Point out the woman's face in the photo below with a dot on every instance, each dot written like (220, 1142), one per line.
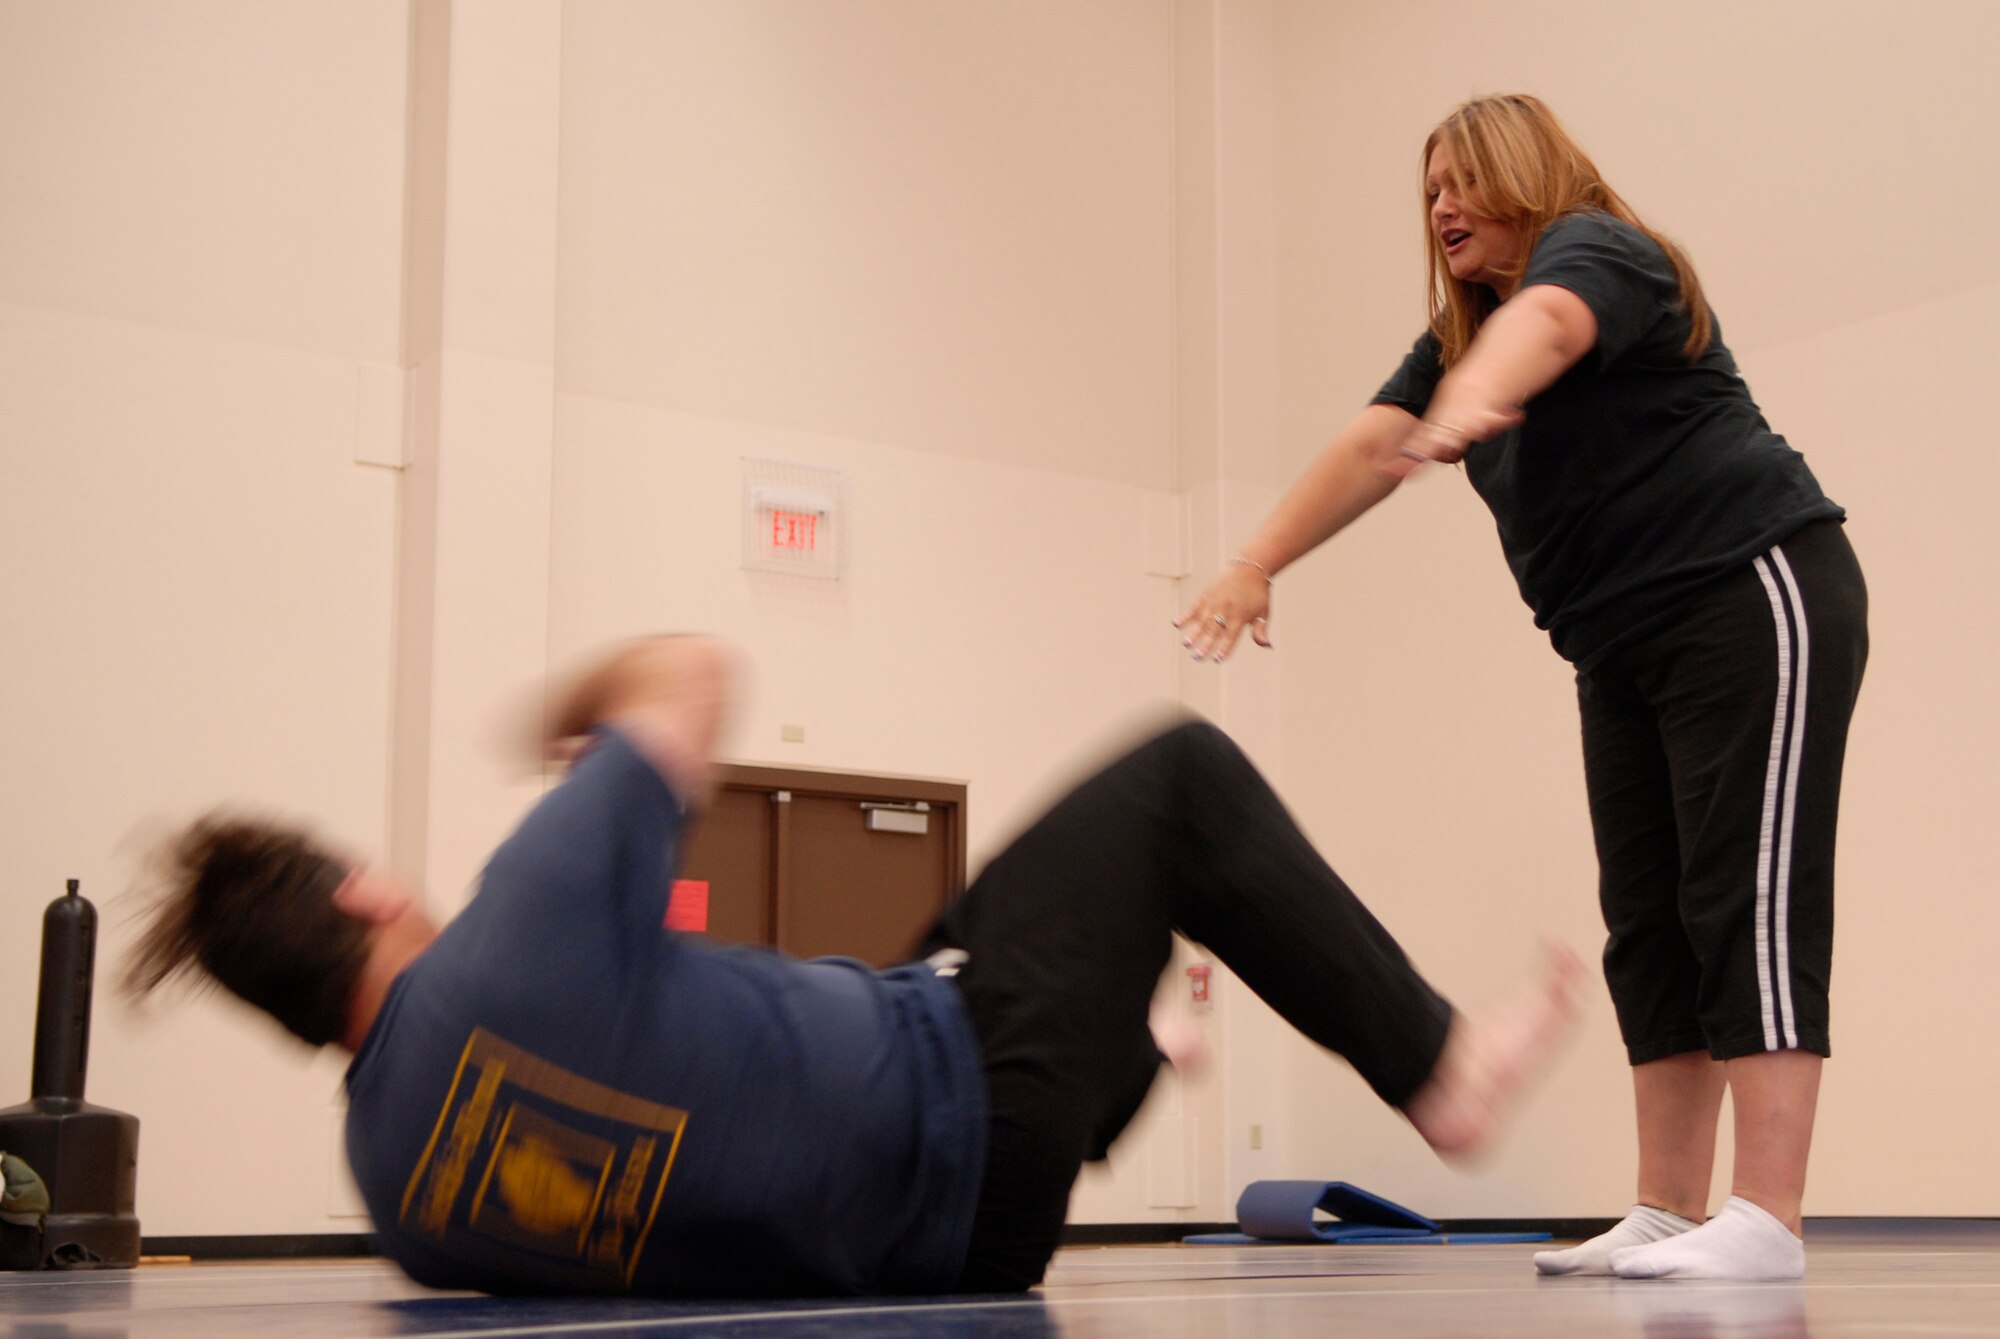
(1477, 249)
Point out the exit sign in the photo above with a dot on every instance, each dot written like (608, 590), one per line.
(794, 519)
(797, 531)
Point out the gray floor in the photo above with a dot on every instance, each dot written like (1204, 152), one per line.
(1899, 1280)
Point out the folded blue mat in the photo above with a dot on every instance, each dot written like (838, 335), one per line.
(1275, 1213)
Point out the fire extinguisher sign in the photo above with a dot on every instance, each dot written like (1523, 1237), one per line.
(1198, 996)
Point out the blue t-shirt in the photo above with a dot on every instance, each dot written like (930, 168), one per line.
(561, 1095)
(1637, 477)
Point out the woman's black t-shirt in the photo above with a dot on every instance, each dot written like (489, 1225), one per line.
(1637, 476)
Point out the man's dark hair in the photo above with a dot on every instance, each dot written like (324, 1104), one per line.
(249, 904)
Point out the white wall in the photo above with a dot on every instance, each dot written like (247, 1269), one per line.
(1035, 276)
(945, 227)
(199, 270)
(1896, 399)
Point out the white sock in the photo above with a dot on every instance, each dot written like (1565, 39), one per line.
(1742, 1243)
(1642, 1225)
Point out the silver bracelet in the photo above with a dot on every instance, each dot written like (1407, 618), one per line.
(1252, 562)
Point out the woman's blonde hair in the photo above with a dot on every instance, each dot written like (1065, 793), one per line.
(1521, 166)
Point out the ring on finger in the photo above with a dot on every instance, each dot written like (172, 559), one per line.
(1220, 620)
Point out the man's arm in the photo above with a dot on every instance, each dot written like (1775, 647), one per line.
(670, 696)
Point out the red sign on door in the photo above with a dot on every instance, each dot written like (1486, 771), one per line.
(687, 905)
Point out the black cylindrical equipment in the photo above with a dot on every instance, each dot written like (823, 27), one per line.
(62, 1014)
(87, 1156)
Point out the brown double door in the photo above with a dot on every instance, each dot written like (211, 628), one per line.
(819, 863)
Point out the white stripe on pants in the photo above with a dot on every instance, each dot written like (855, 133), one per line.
(1781, 788)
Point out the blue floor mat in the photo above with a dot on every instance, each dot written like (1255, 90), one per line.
(1273, 1213)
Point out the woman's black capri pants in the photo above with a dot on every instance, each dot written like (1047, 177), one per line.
(1712, 751)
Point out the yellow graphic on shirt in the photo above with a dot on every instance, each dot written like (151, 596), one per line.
(465, 1129)
(540, 1190)
(526, 1154)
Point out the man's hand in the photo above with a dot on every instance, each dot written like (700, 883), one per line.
(669, 695)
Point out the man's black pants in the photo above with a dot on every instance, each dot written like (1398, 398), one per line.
(1068, 930)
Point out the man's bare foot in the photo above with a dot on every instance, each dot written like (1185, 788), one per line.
(1180, 1039)
(1490, 1062)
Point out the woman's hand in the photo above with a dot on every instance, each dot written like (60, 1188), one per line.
(1448, 431)
(1237, 600)
(1536, 336)
(1353, 472)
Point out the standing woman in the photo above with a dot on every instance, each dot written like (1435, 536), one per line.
(1683, 557)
